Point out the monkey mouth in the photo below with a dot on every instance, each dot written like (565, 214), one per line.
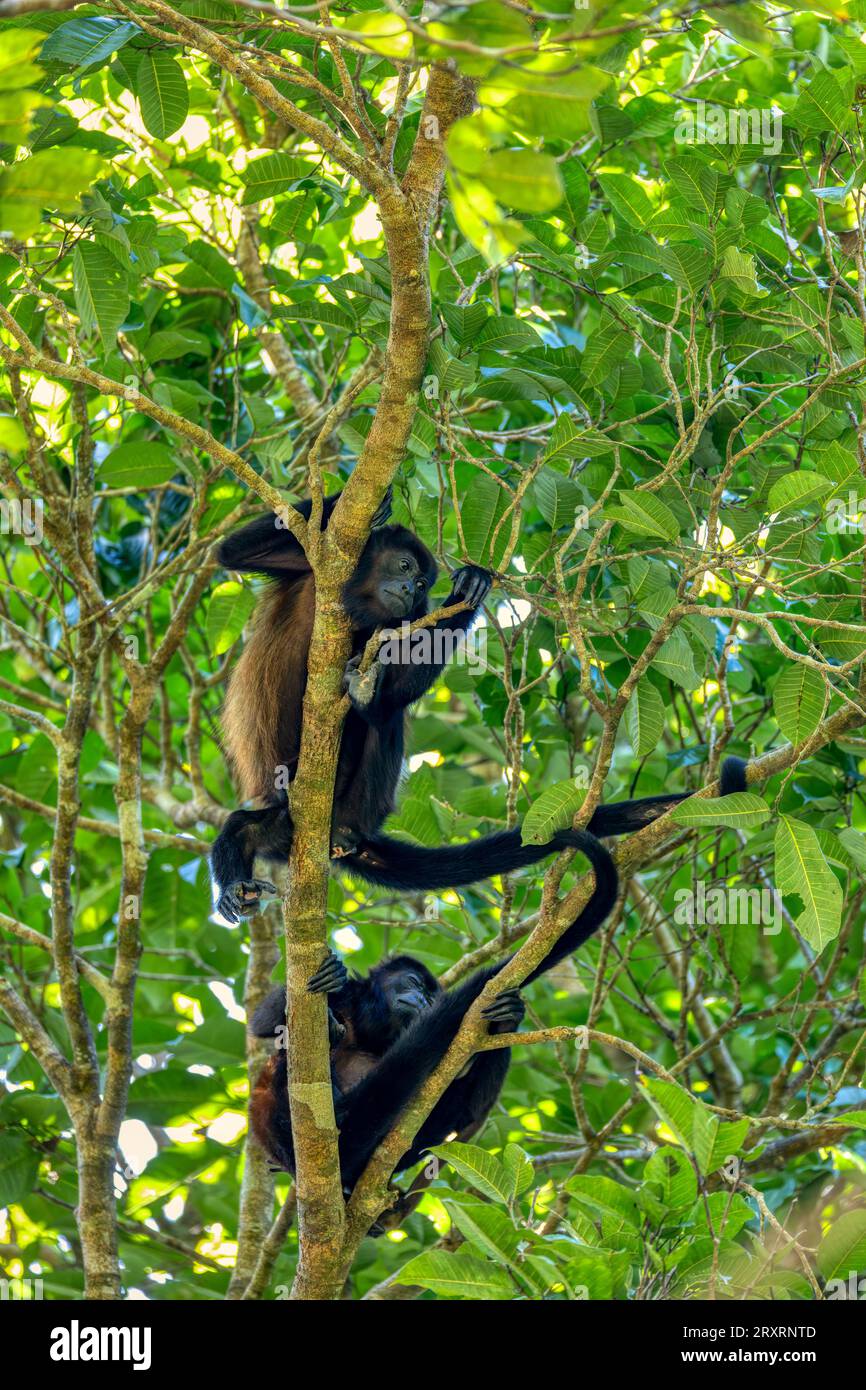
(396, 603)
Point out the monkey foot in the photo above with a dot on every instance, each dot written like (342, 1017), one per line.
(330, 976)
(344, 842)
(506, 1011)
(241, 899)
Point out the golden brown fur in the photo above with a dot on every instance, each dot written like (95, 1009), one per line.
(261, 717)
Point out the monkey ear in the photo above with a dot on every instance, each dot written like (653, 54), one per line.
(382, 514)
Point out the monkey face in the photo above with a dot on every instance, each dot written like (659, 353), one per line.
(406, 996)
(401, 588)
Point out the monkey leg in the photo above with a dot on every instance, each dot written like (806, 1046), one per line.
(267, 833)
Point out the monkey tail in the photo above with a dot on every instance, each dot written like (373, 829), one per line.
(623, 817)
(597, 909)
(390, 863)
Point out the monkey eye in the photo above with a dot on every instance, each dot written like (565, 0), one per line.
(420, 583)
(404, 565)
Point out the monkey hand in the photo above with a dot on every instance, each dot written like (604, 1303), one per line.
(331, 976)
(241, 899)
(336, 1030)
(471, 584)
(505, 1014)
(361, 688)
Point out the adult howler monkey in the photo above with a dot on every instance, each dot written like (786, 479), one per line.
(262, 721)
(389, 1031)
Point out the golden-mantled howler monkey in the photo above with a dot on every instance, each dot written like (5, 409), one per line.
(262, 720)
(389, 1031)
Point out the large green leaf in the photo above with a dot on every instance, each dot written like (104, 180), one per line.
(139, 463)
(101, 291)
(553, 810)
(457, 1276)
(644, 717)
(230, 606)
(842, 1251)
(271, 175)
(482, 1170)
(801, 869)
(798, 702)
(48, 181)
(87, 42)
(740, 810)
(162, 93)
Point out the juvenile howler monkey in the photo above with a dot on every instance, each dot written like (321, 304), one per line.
(389, 1031)
(262, 720)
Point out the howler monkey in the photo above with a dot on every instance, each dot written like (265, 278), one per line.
(262, 720)
(389, 1031)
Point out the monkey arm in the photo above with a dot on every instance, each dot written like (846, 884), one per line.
(407, 667)
(265, 546)
(367, 1112)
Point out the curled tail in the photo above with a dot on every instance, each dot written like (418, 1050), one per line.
(597, 909)
(392, 863)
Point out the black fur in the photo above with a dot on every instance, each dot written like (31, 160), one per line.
(400, 1054)
(371, 750)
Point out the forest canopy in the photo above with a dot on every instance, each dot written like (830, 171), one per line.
(585, 285)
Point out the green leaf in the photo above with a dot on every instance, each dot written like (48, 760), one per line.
(101, 291)
(557, 498)
(671, 1169)
(140, 463)
(464, 321)
(518, 1165)
(802, 869)
(456, 1276)
(170, 343)
(842, 1251)
(230, 606)
(738, 272)
(696, 181)
(576, 186)
(822, 105)
(798, 702)
(87, 42)
(645, 515)
(628, 200)
(645, 717)
(49, 180)
(17, 69)
(553, 810)
(19, 1165)
(716, 1140)
(483, 508)
(506, 333)
(604, 1196)
(522, 179)
(674, 1106)
(605, 349)
(740, 810)
(162, 94)
(481, 1169)
(489, 1229)
(674, 659)
(798, 489)
(271, 175)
